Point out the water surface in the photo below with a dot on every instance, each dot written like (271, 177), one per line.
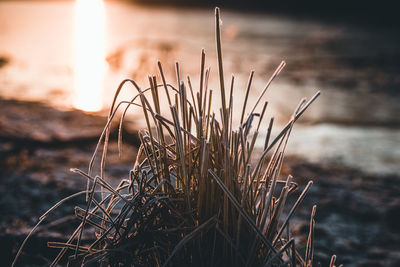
(355, 121)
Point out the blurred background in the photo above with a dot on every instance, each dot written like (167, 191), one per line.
(71, 55)
(75, 53)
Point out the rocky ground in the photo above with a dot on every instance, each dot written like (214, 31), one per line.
(357, 215)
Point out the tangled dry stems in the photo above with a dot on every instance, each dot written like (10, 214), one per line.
(195, 196)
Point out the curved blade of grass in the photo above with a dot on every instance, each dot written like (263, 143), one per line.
(41, 219)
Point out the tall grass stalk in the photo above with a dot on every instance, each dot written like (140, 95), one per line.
(197, 195)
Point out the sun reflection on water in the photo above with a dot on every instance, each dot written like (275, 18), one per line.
(89, 54)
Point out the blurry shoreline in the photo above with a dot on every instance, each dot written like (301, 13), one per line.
(354, 122)
(361, 13)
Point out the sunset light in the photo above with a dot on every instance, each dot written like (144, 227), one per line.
(89, 54)
(150, 133)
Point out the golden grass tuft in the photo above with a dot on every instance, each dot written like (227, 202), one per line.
(196, 196)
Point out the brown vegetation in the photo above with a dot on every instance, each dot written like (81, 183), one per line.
(196, 194)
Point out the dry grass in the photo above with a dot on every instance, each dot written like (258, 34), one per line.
(196, 196)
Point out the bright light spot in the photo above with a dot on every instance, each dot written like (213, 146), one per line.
(89, 54)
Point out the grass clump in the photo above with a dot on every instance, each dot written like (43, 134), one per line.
(196, 195)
